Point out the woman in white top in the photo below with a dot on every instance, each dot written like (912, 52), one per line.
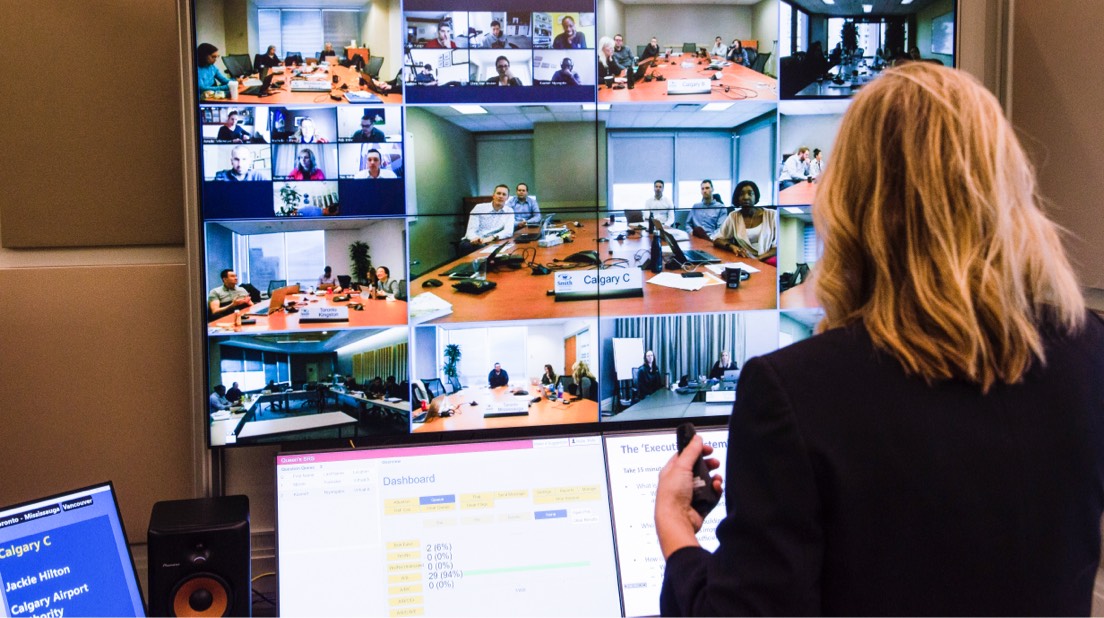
(749, 231)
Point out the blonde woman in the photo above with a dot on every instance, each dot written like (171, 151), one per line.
(939, 448)
(580, 371)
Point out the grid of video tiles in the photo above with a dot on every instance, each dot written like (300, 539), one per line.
(417, 251)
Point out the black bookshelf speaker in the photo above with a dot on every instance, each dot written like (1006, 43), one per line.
(199, 557)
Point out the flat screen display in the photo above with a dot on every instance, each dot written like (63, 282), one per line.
(67, 555)
(511, 220)
(475, 529)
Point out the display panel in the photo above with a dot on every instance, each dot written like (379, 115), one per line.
(634, 462)
(547, 174)
(67, 555)
(442, 530)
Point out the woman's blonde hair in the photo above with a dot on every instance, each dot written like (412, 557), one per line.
(933, 236)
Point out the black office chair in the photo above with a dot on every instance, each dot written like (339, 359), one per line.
(689, 48)
(344, 280)
(760, 62)
(374, 65)
(293, 58)
(254, 293)
(275, 284)
(454, 382)
(434, 387)
(237, 65)
(588, 389)
(566, 383)
(640, 50)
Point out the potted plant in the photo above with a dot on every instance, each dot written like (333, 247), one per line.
(850, 35)
(290, 197)
(452, 360)
(360, 261)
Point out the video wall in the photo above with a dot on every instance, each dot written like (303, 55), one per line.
(501, 220)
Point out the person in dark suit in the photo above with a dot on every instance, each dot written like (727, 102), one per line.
(939, 448)
(716, 372)
(648, 377)
(267, 60)
(498, 377)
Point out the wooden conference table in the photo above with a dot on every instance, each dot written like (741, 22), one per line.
(375, 313)
(468, 417)
(346, 76)
(761, 87)
(853, 75)
(798, 194)
(800, 296)
(666, 403)
(520, 295)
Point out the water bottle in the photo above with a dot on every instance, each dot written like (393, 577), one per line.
(559, 390)
(657, 255)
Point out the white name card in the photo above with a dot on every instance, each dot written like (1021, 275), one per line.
(324, 314)
(590, 284)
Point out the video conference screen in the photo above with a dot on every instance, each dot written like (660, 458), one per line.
(431, 220)
(67, 555)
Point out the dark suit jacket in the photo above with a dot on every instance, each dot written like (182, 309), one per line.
(854, 489)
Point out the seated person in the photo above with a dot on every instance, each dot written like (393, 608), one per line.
(267, 60)
(624, 56)
(306, 167)
(607, 64)
(388, 286)
(548, 378)
(585, 386)
(648, 377)
(241, 167)
(526, 210)
(233, 394)
(228, 297)
(566, 74)
(816, 165)
(570, 38)
(230, 131)
(659, 206)
(495, 39)
(706, 216)
(721, 366)
(391, 388)
(327, 52)
(306, 133)
(376, 388)
(749, 231)
(504, 77)
(426, 77)
(737, 53)
(719, 48)
(271, 387)
(651, 50)
(369, 132)
(379, 86)
(328, 280)
(444, 38)
(498, 377)
(489, 221)
(351, 384)
(210, 77)
(795, 169)
(372, 160)
(217, 401)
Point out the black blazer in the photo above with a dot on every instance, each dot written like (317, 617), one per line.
(853, 489)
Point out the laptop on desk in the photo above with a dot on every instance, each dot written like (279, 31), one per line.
(275, 302)
(689, 256)
(263, 89)
(524, 238)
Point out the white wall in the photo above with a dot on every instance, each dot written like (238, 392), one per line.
(611, 18)
(760, 334)
(813, 130)
(675, 24)
(504, 159)
(210, 27)
(764, 27)
(545, 345)
(924, 29)
(385, 242)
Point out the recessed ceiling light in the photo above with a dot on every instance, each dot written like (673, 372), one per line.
(716, 107)
(906, 1)
(599, 107)
(469, 109)
(829, 1)
(868, 8)
(793, 210)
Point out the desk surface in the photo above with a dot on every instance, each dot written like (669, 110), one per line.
(401, 406)
(256, 429)
(346, 76)
(765, 88)
(375, 313)
(800, 296)
(854, 76)
(545, 412)
(798, 194)
(520, 295)
(666, 403)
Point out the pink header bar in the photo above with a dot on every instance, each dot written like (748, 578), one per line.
(406, 451)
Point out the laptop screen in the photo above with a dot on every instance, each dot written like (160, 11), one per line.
(67, 555)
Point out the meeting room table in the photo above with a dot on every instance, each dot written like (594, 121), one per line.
(376, 312)
(736, 82)
(348, 79)
(798, 194)
(470, 404)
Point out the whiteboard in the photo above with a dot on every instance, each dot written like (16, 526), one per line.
(627, 354)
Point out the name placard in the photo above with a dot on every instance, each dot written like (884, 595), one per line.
(324, 314)
(592, 284)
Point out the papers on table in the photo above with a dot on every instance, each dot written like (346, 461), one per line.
(690, 284)
(428, 306)
(719, 268)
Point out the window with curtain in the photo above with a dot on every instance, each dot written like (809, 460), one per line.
(811, 244)
(801, 30)
(785, 30)
(306, 30)
(297, 257)
(252, 369)
(688, 345)
(682, 159)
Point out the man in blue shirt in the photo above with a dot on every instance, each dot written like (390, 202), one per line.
(706, 216)
(217, 401)
(524, 206)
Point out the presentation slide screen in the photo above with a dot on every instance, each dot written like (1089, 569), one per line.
(67, 555)
(634, 462)
(478, 529)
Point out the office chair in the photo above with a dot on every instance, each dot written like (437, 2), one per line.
(587, 389)
(434, 387)
(565, 382)
(254, 293)
(344, 280)
(237, 65)
(689, 48)
(374, 65)
(640, 50)
(275, 284)
(454, 382)
(760, 62)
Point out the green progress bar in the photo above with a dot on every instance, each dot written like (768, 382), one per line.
(535, 567)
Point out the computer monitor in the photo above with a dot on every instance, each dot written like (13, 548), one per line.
(632, 461)
(476, 529)
(67, 555)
